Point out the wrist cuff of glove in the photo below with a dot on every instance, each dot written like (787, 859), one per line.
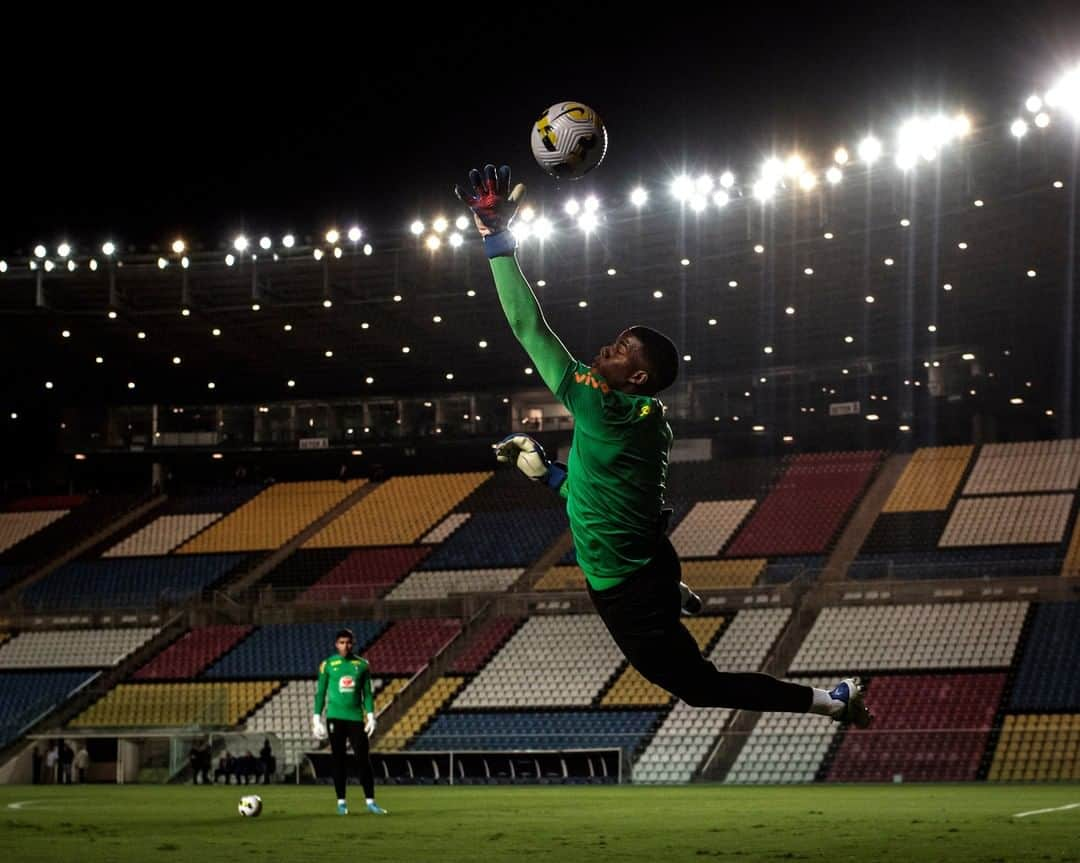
(500, 245)
(556, 475)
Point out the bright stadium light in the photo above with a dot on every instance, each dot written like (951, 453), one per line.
(332, 236)
(355, 234)
(834, 175)
(288, 241)
(1065, 94)
(727, 180)
(869, 149)
(841, 156)
(1018, 128)
(108, 248)
(240, 243)
(440, 225)
(682, 187)
(63, 250)
(720, 198)
(703, 184)
(543, 228)
(265, 243)
(178, 247)
(572, 208)
(588, 222)
(1033, 104)
(639, 197)
(772, 171)
(416, 228)
(461, 223)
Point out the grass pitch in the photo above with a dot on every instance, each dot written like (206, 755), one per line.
(177, 824)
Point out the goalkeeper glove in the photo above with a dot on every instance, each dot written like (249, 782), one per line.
(494, 204)
(529, 457)
(369, 724)
(318, 727)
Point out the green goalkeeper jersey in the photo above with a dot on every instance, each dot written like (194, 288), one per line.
(344, 688)
(617, 470)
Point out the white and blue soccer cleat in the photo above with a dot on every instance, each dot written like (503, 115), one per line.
(851, 692)
(375, 809)
(342, 809)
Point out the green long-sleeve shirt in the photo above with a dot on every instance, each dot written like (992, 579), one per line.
(344, 688)
(617, 470)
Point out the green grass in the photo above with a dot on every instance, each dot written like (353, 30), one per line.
(842, 822)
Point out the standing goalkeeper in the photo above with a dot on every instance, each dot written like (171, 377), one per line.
(615, 482)
(345, 690)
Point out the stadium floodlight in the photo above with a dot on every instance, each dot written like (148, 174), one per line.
(40, 251)
(178, 247)
(588, 222)
(416, 228)
(841, 156)
(63, 250)
(265, 243)
(1018, 128)
(727, 180)
(355, 234)
(703, 184)
(240, 243)
(108, 248)
(543, 228)
(1033, 104)
(869, 149)
(1065, 94)
(639, 197)
(834, 175)
(288, 241)
(682, 187)
(772, 170)
(572, 207)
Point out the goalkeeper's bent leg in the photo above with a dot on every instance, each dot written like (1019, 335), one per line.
(643, 616)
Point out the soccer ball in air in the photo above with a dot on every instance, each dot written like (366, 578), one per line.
(250, 805)
(568, 140)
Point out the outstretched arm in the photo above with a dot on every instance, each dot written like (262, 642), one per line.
(494, 205)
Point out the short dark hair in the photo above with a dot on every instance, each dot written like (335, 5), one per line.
(661, 357)
(345, 633)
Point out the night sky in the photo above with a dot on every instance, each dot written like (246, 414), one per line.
(299, 118)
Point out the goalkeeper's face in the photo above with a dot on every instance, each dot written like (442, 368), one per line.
(344, 646)
(622, 363)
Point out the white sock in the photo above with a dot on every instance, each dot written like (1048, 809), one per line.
(341, 801)
(370, 800)
(825, 705)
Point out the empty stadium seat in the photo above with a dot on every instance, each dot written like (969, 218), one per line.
(883, 637)
(73, 648)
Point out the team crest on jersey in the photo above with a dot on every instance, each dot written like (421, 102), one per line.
(646, 410)
(346, 683)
